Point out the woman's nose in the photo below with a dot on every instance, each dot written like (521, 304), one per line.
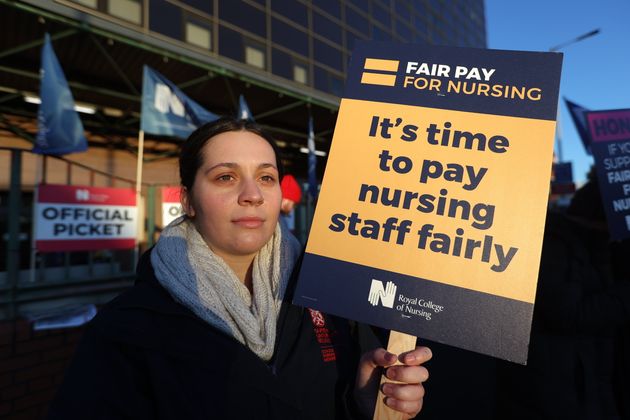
(250, 193)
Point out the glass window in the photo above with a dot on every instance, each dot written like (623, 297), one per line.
(244, 16)
(198, 35)
(336, 85)
(89, 3)
(381, 15)
(328, 82)
(421, 26)
(326, 28)
(330, 6)
(379, 34)
(289, 37)
(350, 38)
(404, 31)
(440, 25)
(325, 54)
(300, 73)
(421, 8)
(357, 21)
(205, 6)
(436, 5)
(361, 4)
(402, 11)
(255, 56)
(281, 64)
(230, 43)
(291, 9)
(289, 67)
(321, 79)
(166, 19)
(130, 10)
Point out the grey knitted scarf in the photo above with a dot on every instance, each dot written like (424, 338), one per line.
(204, 283)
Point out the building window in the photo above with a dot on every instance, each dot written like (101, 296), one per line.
(255, 56)
(325, 54)
(289, 37)
(89, 3)
(198, 35)
(300, 73)
(130, 10)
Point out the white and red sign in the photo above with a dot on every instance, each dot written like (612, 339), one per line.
(77, 218)
(171, 206)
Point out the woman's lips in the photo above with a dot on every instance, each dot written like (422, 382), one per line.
(249, 222)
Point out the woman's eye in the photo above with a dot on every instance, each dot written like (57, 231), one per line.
(225, 178)
(268, 178)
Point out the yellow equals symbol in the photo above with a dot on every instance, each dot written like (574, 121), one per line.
(384, 66)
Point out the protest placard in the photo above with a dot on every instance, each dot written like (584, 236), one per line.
(432, 208)
(78, 218)
(610, 135)
(171, 206)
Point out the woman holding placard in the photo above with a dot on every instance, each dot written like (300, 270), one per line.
(209, 331)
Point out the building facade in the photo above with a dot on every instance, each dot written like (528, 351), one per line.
(305, 42)
(288, 58)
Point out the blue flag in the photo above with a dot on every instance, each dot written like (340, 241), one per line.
(243, 110)
(312, 161)
(166, 110)
(60, 130)
(578, 115)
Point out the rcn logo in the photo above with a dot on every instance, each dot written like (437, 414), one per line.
(165, 100)
(82, 195)
(382, 72)
(385, 294)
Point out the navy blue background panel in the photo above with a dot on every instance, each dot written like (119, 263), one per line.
(512, 68)
(468, 319)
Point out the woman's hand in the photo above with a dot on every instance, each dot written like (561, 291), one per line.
(406, 396)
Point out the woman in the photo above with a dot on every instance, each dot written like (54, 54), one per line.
(208, 331)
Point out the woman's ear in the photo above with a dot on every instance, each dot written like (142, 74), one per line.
(186, 202)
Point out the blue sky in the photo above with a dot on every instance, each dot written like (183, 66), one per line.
(595, 71)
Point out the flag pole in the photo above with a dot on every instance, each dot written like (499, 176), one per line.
(139, 193)
(38, 179)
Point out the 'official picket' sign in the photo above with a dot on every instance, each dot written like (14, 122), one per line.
(77, 218)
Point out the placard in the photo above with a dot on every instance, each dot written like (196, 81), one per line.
(610, 134)
(78, 218)
(432, 208)
(171, 205)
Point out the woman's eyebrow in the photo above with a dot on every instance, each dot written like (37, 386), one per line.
(267, 165)
(232, 165)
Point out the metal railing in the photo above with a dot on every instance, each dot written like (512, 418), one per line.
(31, 281)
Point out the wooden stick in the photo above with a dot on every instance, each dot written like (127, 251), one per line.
(398, 343)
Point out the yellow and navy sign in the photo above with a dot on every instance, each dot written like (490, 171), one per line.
(385, 74)
(432, 208)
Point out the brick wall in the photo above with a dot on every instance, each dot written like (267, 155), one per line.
(32, 365)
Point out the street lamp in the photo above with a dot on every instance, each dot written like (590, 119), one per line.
(557, 48)
(574, 40)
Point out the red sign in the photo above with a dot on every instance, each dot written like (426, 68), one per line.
(171, 207)
(78, 218)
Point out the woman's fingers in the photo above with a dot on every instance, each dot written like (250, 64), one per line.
(403, 392)
(416, 357)
(407, 374)
(411, 408)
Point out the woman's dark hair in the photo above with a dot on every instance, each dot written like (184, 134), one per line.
(191, 159)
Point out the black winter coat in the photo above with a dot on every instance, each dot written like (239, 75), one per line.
(578, 308)
(145, 356)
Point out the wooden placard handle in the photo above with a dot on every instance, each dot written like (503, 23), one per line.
(398, 343)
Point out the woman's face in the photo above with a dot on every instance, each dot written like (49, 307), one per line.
(235, 199)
